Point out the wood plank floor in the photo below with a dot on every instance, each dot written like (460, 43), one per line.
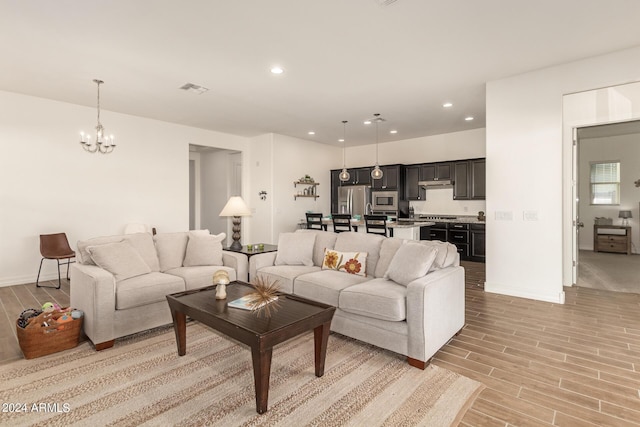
(576, 364)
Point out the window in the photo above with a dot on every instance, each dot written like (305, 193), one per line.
(605, 183)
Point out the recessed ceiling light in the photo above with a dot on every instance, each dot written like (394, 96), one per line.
(393, 131)
(341, 140)
(311, 132)
(367, 122)
(277, 70)
(468, 118)
(447, 105)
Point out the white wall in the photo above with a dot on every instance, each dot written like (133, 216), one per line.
(529, 169)
(260, 166)
(292, 159)
(49, 184)
(451, 146)
(626, 150)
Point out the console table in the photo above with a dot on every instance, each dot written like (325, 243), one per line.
(608, 238)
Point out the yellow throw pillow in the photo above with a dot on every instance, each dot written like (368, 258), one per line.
(348, 262)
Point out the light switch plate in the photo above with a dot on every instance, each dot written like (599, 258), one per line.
(530, 215)
(504, 216)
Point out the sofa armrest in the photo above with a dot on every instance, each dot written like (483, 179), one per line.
(258, 261)
(93, 290)
(238, 262)
(435, 311)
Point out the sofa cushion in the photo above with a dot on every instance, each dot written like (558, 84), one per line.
(446, 254)
(377, 298)
(120, 259)
(361, 242)
(324, 240)
(285, 274)
(146, 289)
(388, 249)
(200, 276)
(325, 285)
(295, 249)
(172, 247)
(411, 261)
(347, 262)
(143, 242)
(203, 249)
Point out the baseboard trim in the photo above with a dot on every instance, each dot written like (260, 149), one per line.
(513, 292)
(24, 280)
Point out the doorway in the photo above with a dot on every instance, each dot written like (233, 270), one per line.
(214, 175)
(608, 167)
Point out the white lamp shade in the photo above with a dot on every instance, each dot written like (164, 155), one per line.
(235, 207)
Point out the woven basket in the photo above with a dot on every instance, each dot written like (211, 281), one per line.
(36, 340)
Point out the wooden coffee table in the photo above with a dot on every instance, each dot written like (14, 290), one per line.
(294, 316)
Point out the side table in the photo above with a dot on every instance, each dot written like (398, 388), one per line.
(612, 238)
(254, 251)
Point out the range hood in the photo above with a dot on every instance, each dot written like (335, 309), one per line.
(437, 183)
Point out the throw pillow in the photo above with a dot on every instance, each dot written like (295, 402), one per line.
(204, 249)
(120, 259)
(295, 249)
(348, 262)
(410, 262)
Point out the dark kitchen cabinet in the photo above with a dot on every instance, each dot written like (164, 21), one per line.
(411, 178)
(391, 178)
(469, 179)
(458, 234)
(360, 176)
(435, 171)
(335, 184)
(461, 180)
(477, 244)
(478, 179)
(438, 231)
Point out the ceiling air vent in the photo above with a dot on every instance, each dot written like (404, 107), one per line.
(190, 87)
(385, 2)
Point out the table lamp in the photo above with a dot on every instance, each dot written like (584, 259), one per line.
(625, 215)
(236, 207)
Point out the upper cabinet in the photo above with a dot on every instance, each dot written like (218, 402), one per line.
(478, 179)
(412, 190)
(359, 176)
(469, 180)
(391, 178)
(435, 171)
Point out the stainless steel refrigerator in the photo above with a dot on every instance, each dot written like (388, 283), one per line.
(353, 199)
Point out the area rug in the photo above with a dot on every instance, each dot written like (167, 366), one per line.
(143, 381)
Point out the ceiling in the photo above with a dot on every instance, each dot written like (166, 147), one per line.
(343, 59)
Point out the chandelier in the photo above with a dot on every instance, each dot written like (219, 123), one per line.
(104, 144)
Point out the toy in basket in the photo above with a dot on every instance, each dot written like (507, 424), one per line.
(49, 331)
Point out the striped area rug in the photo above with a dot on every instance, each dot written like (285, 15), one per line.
(143, 381)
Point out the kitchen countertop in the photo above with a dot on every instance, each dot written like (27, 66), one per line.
(465, 219)
(392, 224)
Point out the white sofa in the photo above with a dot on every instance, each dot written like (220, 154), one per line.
(121, 282)
(411, 301)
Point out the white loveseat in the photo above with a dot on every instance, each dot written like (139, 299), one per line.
(411, 301)
(121, 282)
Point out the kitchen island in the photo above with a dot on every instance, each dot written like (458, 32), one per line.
(403, 230)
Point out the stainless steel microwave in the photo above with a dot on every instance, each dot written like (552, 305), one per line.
(384, 200)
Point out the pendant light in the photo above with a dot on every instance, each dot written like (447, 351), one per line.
(104, 144)
(376, 173)
(344, 175)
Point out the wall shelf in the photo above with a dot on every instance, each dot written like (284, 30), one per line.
(309, 191)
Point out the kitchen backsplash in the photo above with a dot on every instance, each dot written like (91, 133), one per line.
(440, 201)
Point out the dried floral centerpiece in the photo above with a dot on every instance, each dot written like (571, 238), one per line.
(265, 297)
